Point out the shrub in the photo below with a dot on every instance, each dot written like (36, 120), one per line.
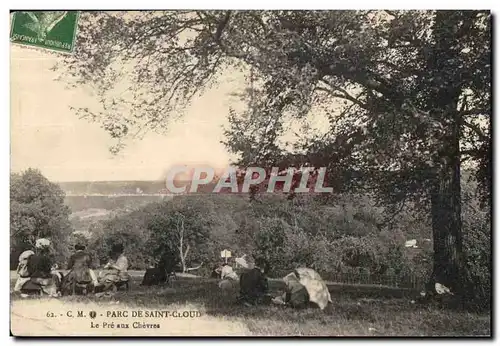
(37, 210)
(340, 241)
(270, 244)
(477, 247)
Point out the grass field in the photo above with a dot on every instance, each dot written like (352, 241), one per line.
(356, 311)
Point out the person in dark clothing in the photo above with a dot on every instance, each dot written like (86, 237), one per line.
(40, 265)
(253, 284)
(40, 271)
(80, 256)
(80, 275)
(215, 273)
(296, 294)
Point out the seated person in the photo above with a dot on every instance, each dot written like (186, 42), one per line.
(117, 269)
(80, 271)
(229, 278)
(227, 272)
(40, 270)
(305, 288)
(253, 284)
(215, 273)
(23, 275)
(295, 295)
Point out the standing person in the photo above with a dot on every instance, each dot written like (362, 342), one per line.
(40, 269)
(80, 271)
(117, 269)
(253, 284)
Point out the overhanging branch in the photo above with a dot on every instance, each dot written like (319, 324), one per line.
(476, 129)
(343, 94)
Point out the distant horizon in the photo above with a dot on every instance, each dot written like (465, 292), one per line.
(107, 181)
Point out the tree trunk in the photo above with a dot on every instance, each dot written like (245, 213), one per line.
(183, 255)
(447, 231)
(446, 212)
(183, 259)
(445, 190)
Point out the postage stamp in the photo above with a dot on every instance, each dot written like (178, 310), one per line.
(46, 29)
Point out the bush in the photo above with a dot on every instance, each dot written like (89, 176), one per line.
(128, 229)
(477, 248)
(329, 239)
(270, 244)
(341, 241)
(153, 232)
(37, 210)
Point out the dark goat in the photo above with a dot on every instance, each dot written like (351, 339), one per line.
(161, 274)
(154, 276)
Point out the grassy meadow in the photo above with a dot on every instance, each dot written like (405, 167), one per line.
(355, 311)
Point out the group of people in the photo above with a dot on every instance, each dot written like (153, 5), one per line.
(38, 273)
(304, 287)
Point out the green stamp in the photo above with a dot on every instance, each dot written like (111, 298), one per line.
(54, 30)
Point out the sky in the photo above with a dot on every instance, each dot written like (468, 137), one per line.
(47, 135)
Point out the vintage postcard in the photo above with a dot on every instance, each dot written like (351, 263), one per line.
(250, 173)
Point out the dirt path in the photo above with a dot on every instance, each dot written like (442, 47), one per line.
(52, 317)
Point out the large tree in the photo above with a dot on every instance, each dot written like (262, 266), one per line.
(37, 210)
(414, 92)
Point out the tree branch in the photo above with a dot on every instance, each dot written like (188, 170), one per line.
(391, 13)
(476, 129)
(342, 94)
(475, 111)
(221, 26)
(366, 79)
(194, 268)
(390, 218)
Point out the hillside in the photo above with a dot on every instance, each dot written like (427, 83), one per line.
(112, 187)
